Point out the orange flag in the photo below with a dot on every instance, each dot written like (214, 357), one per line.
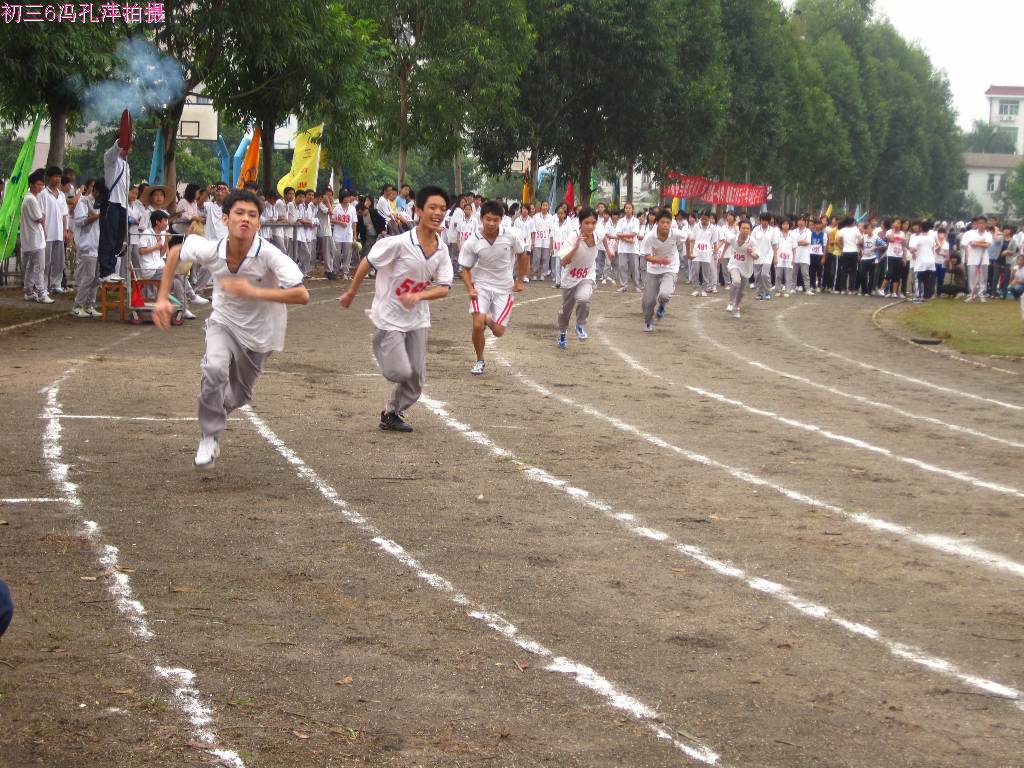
(250, 170)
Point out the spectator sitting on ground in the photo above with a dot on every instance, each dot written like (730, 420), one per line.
(955, 282)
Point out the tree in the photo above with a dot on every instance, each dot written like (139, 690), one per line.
(48, 68)
(1015, 190)
(988, 139)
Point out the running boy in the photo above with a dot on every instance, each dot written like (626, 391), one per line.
(577, 258)
(660, 249)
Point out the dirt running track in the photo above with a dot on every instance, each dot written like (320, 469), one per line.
(714, 544)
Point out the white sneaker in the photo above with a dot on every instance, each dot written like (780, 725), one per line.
(199, 300)
(621, 289)
(704, 294)
(478, 368)
(526, 279)
(728, 307)
(113, 278)
(810, 293)
(93, 312)
(736, 314)
(44, 298)
(648, 327)
(31, 297)
(981, 299)
(188, 315)
(79, 312)
(695, 293)
(209, 450)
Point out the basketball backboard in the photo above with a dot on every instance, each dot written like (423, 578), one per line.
(198, 119)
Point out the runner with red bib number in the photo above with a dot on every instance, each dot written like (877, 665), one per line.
(412, 269)
(577, 257)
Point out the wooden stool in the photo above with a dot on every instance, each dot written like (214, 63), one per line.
(113, 296)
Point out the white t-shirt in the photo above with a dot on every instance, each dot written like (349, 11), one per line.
(323, 219)
(741, 257)
(802, 245)
(493, 264)
(897, 248)
(55, 209)
(668, 248)
(977, 255)
(849, 236)
(559, 233)
(610, 230)
(924, 258)
(765, 238)
(625, 226)
(525, 229)
(344, 217)
(704, 240)
(403, 267)
(216, 229)
(33, 235)
(787, 248)
(452, 221)
(267, 216)
(117, 175)
(466, 229)
(87, 236)
(581, 268)
(258, 325)
(542, 230)
(153, 260)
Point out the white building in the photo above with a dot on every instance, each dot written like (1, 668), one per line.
(1004, 112)
(986, 179)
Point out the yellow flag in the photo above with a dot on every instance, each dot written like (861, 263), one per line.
(250, 169)
(675, 205)
(828, 211)
(526, 191)
(305, 161)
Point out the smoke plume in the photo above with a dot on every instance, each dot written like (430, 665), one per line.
(144, 80)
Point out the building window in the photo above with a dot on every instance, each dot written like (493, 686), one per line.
(199, 100)
(1002, 182)
(1009, 107)
(991, 185)
(965, 180)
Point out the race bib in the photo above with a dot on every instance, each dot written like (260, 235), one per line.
(816, 249)
(345, 220)
(738, 257)
(579, 273)
(703, 247)
(464, 235)
(783, 256)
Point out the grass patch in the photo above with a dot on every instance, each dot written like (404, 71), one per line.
(993, 328)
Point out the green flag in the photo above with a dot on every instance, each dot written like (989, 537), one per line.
(10, 210)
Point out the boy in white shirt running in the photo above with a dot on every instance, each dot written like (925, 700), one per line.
(487, 262)
(660, 249)
(412, 269)
(577, 258)
(766, 246)
(252, 281)
(627, 233)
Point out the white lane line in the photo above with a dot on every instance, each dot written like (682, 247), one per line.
(33, 501)
(190, 702)
(939, 543)
(584, 676)
(119, 584)
(849, 395)
(534, 301)
(894, 374)
(7, 328)
(635, 525)
(827, 434)
(106, 417)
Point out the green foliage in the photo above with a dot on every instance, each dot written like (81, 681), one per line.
(1015, 190)
(988, 139)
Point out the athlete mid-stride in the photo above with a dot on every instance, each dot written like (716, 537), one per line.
(487, 261)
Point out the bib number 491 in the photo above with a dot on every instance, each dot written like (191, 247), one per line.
(410, 286)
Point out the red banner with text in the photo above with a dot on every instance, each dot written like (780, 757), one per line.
(715, 192)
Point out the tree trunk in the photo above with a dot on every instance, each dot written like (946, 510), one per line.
(629, 181)
(534, 154)
(58, 135)
(169, 123)
(403, 121)
(457, 170)
(267, 129)
(662, 178)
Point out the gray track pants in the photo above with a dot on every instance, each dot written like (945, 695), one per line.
(304, 256)
(539, 262)
(784, 277)
(402, 357)
(579, 297)
(763, 279)
(703, 275)
(739, 284)
(629, 264)
(229, 374)
(33, 275)
(54, 264)
(87, 278)
(325, 251)
(342, 258)
(802, 273)
(658, 289)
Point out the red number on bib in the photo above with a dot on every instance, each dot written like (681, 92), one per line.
(579, 272)
(410, 286)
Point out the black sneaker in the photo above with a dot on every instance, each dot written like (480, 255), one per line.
(330, 275)
(392, 422)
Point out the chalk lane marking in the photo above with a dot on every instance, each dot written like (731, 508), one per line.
(945, 544)
(584, 676)
(815, 429)
(41, 500)
(635, 525)
(119, 583)
(849, 395)
(894, 374)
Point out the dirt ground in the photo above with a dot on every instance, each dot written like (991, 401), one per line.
(313, 644)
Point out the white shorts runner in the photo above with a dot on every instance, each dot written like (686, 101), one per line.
(497, 305)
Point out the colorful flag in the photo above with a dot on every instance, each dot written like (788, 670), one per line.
(570, 197)
(305, 161)
(17, 185)
(250, 168)
(526, 185)
(675, 205)
(828, 211)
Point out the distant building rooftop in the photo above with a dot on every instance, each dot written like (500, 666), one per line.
(993, 161)
(1005, 90)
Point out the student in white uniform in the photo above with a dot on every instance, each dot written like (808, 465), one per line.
(703, 243)
(561, 229)
(33, 241)
(542, 224)
(785, 257)
(488, 260)
(55, 209)
(766, 245)
(660, 250)
(976, 243)
(611, 245)
(252, 281)
(87, 239)
(465, 231)
(577, 257)
(344, 219)
(802, 254)
(285, 207)
(627, 233)
(324, 206)
(307, 229)
(524, 227)
(412, 269)
(720, 266)
(740, 251)
(923, 248)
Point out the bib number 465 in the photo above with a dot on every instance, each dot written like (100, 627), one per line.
(579, 273)
(411, 286)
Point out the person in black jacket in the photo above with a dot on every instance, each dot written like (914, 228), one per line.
(6, 607)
